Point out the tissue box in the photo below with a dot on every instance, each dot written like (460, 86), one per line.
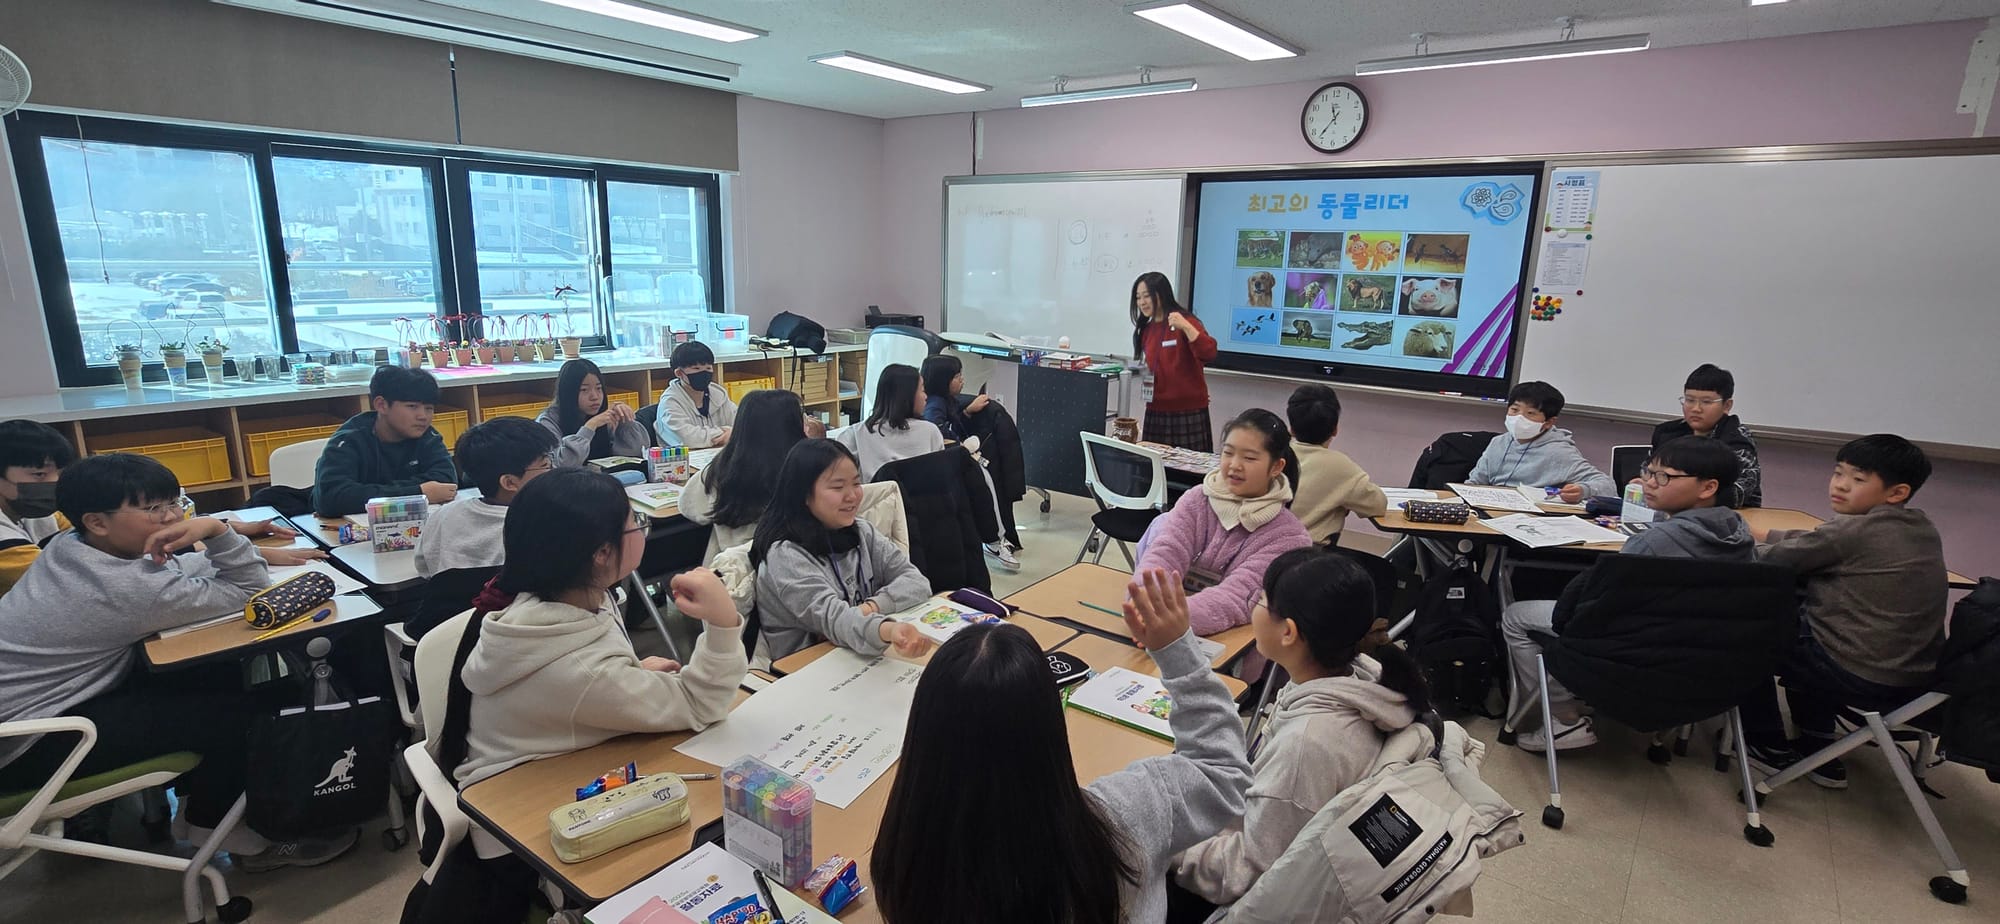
(395, 522)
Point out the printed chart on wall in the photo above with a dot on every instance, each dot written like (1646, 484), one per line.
(1415, 273)
(1568, 226)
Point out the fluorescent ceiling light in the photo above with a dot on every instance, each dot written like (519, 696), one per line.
(663, 18)
(1148, 88)
(1767, 2)
(1573, 48)
(1204, 23)
(876, 67)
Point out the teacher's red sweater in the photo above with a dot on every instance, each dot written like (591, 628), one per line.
(1177, 365)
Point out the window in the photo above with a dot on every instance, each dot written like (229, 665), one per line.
(158, 245)
(360, 250)
(273, 243)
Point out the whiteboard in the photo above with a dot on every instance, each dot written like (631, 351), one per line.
(1056, 257)
(1847, 296)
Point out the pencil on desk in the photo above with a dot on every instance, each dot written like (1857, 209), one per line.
(1101, 609)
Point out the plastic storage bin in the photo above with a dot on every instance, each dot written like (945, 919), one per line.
(451, 423)
(511, 405)
(726, 333)
(262, 437)
(196, 456)
(737, 388)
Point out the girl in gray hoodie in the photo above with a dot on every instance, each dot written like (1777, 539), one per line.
(1317, 620)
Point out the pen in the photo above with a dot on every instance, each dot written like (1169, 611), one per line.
(1110, 612)
(697, 776)
(323, 613)
(764, 895)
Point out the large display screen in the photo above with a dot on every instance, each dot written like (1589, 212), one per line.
(1409, 279)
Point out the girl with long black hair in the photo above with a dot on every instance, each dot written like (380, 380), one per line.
(587, 427)
(896, 428)
(731, 492)
(1176, 348)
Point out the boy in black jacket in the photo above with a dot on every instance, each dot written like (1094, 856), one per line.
(1706, 402)
(390, 451)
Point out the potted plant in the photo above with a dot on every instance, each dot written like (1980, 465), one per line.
(410, 356)
(572, 345)
(485, 352)
(462, 353)
(439, 356)
(545, 345)
(131, 362)
(212, 351)
(173, 355)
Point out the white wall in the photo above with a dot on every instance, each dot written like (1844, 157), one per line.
(807, 213)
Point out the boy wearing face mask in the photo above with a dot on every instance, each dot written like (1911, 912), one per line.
(32, 456)
(1534, 451)
(695, 412)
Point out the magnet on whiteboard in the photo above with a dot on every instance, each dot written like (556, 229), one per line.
(1562, 232)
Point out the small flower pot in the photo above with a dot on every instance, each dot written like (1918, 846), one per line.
(462, 355)
(572, 347)
(439, 358)
(212, 363)
(176, 362)
(546, 349)
(487, 355)
(413, 359)
(130, 366)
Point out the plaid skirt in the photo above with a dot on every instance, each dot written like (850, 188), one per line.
(1186, 429)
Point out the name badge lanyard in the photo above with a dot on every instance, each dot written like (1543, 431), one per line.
(858, 594)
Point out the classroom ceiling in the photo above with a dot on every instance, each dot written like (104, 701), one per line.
(1018, 46)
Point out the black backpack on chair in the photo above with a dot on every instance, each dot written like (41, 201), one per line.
(1450, 458)
(1456, 639)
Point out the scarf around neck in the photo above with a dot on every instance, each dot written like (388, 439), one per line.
(1247, 512)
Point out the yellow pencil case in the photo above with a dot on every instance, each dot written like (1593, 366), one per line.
(632, 812)
(289, 599)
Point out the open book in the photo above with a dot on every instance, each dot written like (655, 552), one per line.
(940, 619)
(1129, 698)
(1537, 532)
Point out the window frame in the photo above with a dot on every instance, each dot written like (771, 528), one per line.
(454, 227)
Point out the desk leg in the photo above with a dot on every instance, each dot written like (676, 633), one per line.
(638, 588)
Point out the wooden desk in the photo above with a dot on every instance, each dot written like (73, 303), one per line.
(514, 807)
(1047, 634)
(1101, 653)
(235, 639)
(1062, 595)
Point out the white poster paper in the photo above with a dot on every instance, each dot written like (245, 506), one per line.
(1564, 264)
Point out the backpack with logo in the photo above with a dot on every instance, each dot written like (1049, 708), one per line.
(1456, 638)
(321, 767)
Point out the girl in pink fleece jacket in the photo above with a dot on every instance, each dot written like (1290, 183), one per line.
(1222, 535)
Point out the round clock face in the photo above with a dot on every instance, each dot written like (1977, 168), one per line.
(1334, 117)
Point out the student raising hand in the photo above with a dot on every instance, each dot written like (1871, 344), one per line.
(700, 594)
(1156, 610)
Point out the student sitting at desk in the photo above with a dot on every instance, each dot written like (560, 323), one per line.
(896, 428)
(1332, 719)
(1707, 399)
(1331, 485)
(588, 428)
(695, 412)
(1872, 626)
(69, 637)
(390, 451)
(546, 669)
(499, 457)
(822, 573)
(730, 493)
(1224, 533)
(1033, 845)
(1536, 452)
(32, 457)
(1689, 480)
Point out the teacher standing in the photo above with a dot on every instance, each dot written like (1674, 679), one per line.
(1176, 348)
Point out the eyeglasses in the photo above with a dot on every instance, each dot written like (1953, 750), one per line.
(1654, 476)
(1687, 401)
(640, 522)
(179, 508)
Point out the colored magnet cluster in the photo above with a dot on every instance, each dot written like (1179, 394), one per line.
(1545, 308)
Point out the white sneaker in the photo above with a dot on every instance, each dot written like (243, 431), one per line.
(998, 551)
(1568, 737)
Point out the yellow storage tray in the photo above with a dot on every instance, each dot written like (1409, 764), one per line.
(196, 456)
(514, 405)
(628, 398)
(739, 387)
(263, 437)
(451, 423)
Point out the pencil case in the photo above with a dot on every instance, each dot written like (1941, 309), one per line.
(1417, 511)
(633, 812)
(290, 599)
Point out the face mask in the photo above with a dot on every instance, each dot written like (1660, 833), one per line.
(699, 381)
(1523, 428)
(36, 499)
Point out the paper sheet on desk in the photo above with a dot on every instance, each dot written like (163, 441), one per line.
(837, 723)
(1495, 498)
(696, 886)
(1399, 495)
(1537, 532)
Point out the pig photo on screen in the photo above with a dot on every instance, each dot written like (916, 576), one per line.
(1435, 297)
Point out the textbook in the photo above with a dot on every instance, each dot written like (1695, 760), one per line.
(1129, 698)
(707, 884)
(940, 619)
(653, 496)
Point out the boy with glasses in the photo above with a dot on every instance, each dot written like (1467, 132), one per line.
(69, 636)
(1686, 481)
(1707, 402)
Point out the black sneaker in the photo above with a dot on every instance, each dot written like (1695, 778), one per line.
(1830, 775)
(1771, 761)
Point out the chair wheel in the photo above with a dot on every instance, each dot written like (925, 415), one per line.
(1507, 736)
(1552, 817)
(1045, 505)
(1658, 753)
(1948, 890)
(1680, 747)
(234, 910)
(393, 839)
(1759, 835)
